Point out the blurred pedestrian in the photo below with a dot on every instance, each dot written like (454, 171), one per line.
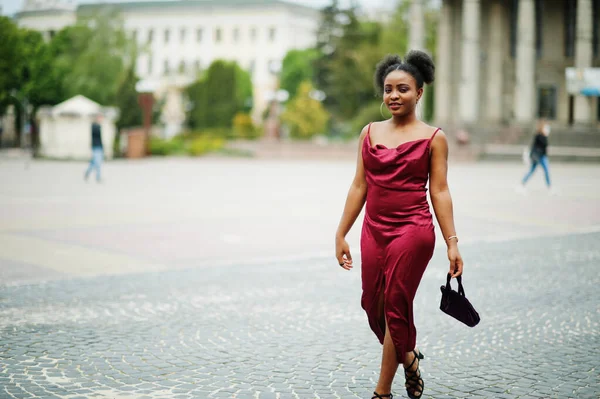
(538, 154)
(396, 158)
(97, 149)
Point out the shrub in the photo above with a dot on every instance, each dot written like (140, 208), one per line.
(159, 146)
(205, 144)
(243, 126)
(304, 115)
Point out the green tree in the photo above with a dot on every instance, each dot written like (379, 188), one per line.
(328, 34)
(11, 60)
(40, 84)
(348, 50)
(95, 55)
(432, 16)
(352, 66)
(220, 90)
(43, 86)
(304, 115)
(243, 84)
(127, 101)
(223, 91)
(130, 111)
(197, 114)
(297, 66)
(395, 33)
(27, 74)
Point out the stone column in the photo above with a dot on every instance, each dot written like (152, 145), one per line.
(417, 26)
(583, 57)
(470, 65)
(524, 101)
(495, 58)
(443, 65)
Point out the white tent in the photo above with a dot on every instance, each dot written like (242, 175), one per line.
(65, 129)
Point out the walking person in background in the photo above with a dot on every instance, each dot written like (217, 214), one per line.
(396, 159)
(539, 153)
(97, 149)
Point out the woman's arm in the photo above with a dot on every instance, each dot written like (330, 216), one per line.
(354, 204)
(442, 201)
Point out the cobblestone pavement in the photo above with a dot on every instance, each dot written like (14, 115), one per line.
(84, 315)
(295, 330)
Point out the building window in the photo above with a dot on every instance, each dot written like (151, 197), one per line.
(150, 65)
(182, 35)
(150, 35)
(272, 33)
(547, 101)
(199, 35)
(539, 32)
(236, 35)
(51, 34)
(167, 35)
(253, 34)
(197, 65)
(166, 67)
(595, 32)
(218, 35)
(182, 67)
(251, 67)
(570, 20)
(134, 34)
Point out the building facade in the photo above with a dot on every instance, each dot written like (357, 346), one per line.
(179, 38)
(503, 62)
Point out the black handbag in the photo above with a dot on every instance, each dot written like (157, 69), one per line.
(457, 305)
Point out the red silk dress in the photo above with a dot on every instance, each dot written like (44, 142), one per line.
(398, 237)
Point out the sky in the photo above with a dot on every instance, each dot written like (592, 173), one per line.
(9, 7)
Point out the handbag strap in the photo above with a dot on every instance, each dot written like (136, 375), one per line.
(461, 290)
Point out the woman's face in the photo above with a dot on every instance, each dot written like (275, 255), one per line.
(400, 93)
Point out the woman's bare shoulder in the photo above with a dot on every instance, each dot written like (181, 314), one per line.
(365, 130)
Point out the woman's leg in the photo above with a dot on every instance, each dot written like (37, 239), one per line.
(389, 365)
(528, 175)
(546, 166)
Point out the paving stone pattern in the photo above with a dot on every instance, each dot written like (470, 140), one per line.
(296, 330)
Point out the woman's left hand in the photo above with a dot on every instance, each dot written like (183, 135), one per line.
(456, 262)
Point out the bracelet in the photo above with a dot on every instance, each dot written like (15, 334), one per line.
(451, 237)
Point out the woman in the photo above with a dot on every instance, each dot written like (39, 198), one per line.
(539, 152)
(396, 157)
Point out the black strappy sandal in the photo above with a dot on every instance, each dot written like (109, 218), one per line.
(378, 396)
(414, 383)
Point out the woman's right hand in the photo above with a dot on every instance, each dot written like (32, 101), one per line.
(342, 253)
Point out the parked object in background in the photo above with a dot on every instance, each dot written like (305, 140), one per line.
(64, 129)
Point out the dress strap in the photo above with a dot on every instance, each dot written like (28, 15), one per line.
(367, 139)
(434, 133)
